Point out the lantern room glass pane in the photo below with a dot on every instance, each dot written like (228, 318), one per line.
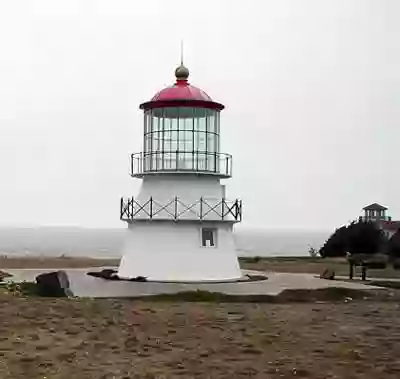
(181, 138)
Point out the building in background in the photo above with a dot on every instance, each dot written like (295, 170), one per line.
(377, 213)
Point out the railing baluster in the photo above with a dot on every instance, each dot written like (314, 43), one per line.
(151, 207)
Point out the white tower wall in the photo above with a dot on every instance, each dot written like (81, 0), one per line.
(172, 251)
(168, 250)
(188, 188)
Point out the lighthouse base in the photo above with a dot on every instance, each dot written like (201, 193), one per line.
(179, 252)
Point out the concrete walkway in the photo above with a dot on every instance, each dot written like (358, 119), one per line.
(83, 285)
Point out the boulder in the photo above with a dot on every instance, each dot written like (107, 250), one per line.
(4, 275)
(53, 284)
(328, 273)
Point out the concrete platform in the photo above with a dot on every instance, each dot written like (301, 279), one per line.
(83, 285)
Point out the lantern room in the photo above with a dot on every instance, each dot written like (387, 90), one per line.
(181, 133)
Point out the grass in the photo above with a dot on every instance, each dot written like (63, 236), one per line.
(312, 265)
(121, 339)
(330, 294)
(24, 289)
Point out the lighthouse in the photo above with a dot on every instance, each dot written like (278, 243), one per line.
(180, 225)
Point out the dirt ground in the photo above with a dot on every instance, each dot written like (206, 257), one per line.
(79, 338)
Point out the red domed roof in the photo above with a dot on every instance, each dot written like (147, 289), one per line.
(181, 94)
(181, 90)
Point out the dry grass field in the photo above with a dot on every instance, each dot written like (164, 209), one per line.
(80, 338)
(121, 339)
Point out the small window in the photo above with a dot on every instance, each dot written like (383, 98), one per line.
(208, 237)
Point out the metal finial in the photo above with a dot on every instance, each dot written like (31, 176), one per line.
(181, 52)
(182, 73)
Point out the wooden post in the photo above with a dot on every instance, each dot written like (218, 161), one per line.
(351, 272)
(363, 272)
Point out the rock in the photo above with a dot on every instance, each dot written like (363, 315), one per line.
(138, 279)
(107, 273)
(328, 274)
(4, 275)
(110, 274)
(53, 284)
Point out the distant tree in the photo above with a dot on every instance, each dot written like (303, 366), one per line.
(357, 238)
(335, 246)
(364, 238)
(313, 252)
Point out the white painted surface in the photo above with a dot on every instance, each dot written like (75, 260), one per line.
(168, 251)
(163, 189)
(188, 188)
(389, 233)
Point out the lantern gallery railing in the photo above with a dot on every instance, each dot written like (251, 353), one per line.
(177, 210)
(181, 162)
(374, 218)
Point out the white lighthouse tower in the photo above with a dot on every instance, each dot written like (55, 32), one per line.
(180, 226)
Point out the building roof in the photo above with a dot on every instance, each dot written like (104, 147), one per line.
(390, 225)
(182, 93)
(181, 90)
(375, 207)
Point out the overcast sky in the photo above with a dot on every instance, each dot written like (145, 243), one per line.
(311, 90)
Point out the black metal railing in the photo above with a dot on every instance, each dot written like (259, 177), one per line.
(177, 210)
(181, 162)
(375, 218)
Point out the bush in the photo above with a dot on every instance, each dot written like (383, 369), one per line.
(21, 289)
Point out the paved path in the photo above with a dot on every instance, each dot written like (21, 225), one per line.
(369, 279)
(83, 285)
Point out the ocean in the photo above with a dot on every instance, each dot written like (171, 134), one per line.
(106, 243)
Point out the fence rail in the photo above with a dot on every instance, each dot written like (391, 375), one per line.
(175, 209)
(181, 162)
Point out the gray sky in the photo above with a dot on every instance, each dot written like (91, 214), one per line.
(311, 90)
